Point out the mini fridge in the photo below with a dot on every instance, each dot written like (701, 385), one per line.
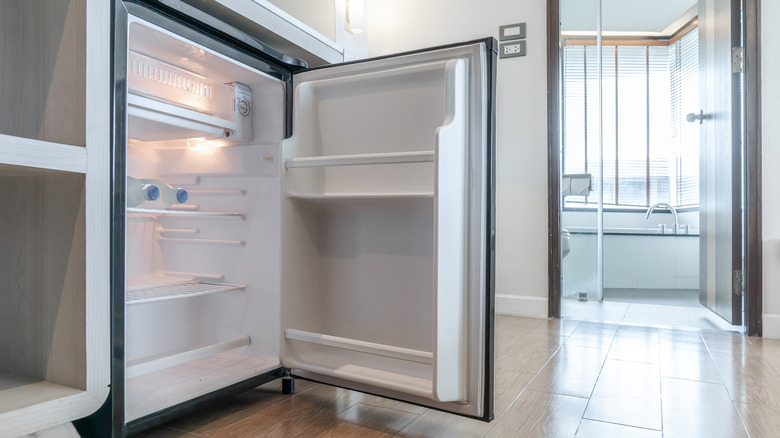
(332, 223)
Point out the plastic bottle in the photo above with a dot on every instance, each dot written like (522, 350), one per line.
(139, 192)
(168, 195)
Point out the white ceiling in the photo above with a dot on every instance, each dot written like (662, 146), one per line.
(622, 15)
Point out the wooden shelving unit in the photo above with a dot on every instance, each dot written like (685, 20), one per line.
(55, 189)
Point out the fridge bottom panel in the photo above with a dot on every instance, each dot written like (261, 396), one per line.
(162, 389)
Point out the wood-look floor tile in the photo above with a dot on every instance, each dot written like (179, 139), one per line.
(390, 404)
(306, 414)
(769, 349)
(698, 409)
(437, 424)
(590, 334)
(635, 348)
(540, 414)
(572, 371)
(367, 421)
(726, 342)
(524, 358)
(687, 362)
(760, 421)
(510, 328)
(599, 429)
(627, 393)
(235, 408)
(749, 378)
(508, 385)
(555, 327)
(166, 432)
(685, 337)
(638, 331)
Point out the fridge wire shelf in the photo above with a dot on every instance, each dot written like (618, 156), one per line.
(145, 294)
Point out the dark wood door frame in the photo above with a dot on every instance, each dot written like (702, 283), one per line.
(752, 140)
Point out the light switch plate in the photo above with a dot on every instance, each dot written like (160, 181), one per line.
(511, 49)
(511, 32)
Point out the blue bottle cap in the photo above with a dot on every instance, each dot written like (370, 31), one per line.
(182, 196)
(152, 193)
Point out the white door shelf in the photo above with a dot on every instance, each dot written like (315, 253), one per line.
(424, 357)
(361, 159)
(138, 368)
(169, 291)
(364, 198)
(153, 212)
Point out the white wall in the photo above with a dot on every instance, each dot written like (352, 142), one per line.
(521, 235)
(771, 160)
(317, 14)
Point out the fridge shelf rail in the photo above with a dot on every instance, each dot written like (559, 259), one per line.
(149, 211)
(423, 357)
(138, 368)
(362, 159)
(169, 291)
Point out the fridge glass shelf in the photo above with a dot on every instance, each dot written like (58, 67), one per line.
(187, 212)
(169, 291)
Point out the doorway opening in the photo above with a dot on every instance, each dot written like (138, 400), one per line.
(650, 186)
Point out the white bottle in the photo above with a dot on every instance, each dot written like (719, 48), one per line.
(168, 195)
(139, 192)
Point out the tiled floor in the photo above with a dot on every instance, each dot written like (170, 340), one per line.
(554, 378)
(638, 312)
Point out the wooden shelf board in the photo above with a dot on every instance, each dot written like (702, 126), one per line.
(18, 151)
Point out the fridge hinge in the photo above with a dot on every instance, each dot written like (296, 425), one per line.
(738, 282)
(737, 60)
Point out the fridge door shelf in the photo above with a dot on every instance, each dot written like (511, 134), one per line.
(423, 357)
(216, 214)
(335, 199)
(141, 367)
(361, 159)
(410, 385)
(169, 291)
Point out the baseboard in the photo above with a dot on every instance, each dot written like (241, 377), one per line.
(771, 325)
(518, 305)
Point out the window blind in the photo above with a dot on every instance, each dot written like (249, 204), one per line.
(650, 153)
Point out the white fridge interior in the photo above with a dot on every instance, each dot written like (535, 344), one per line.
(352, 252)
(202, 277)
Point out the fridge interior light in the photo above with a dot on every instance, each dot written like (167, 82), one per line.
(203, 146)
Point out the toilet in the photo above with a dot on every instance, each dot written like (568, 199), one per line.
(565, 243)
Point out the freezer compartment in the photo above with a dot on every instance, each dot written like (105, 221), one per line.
(181, 90)
(43, 281)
